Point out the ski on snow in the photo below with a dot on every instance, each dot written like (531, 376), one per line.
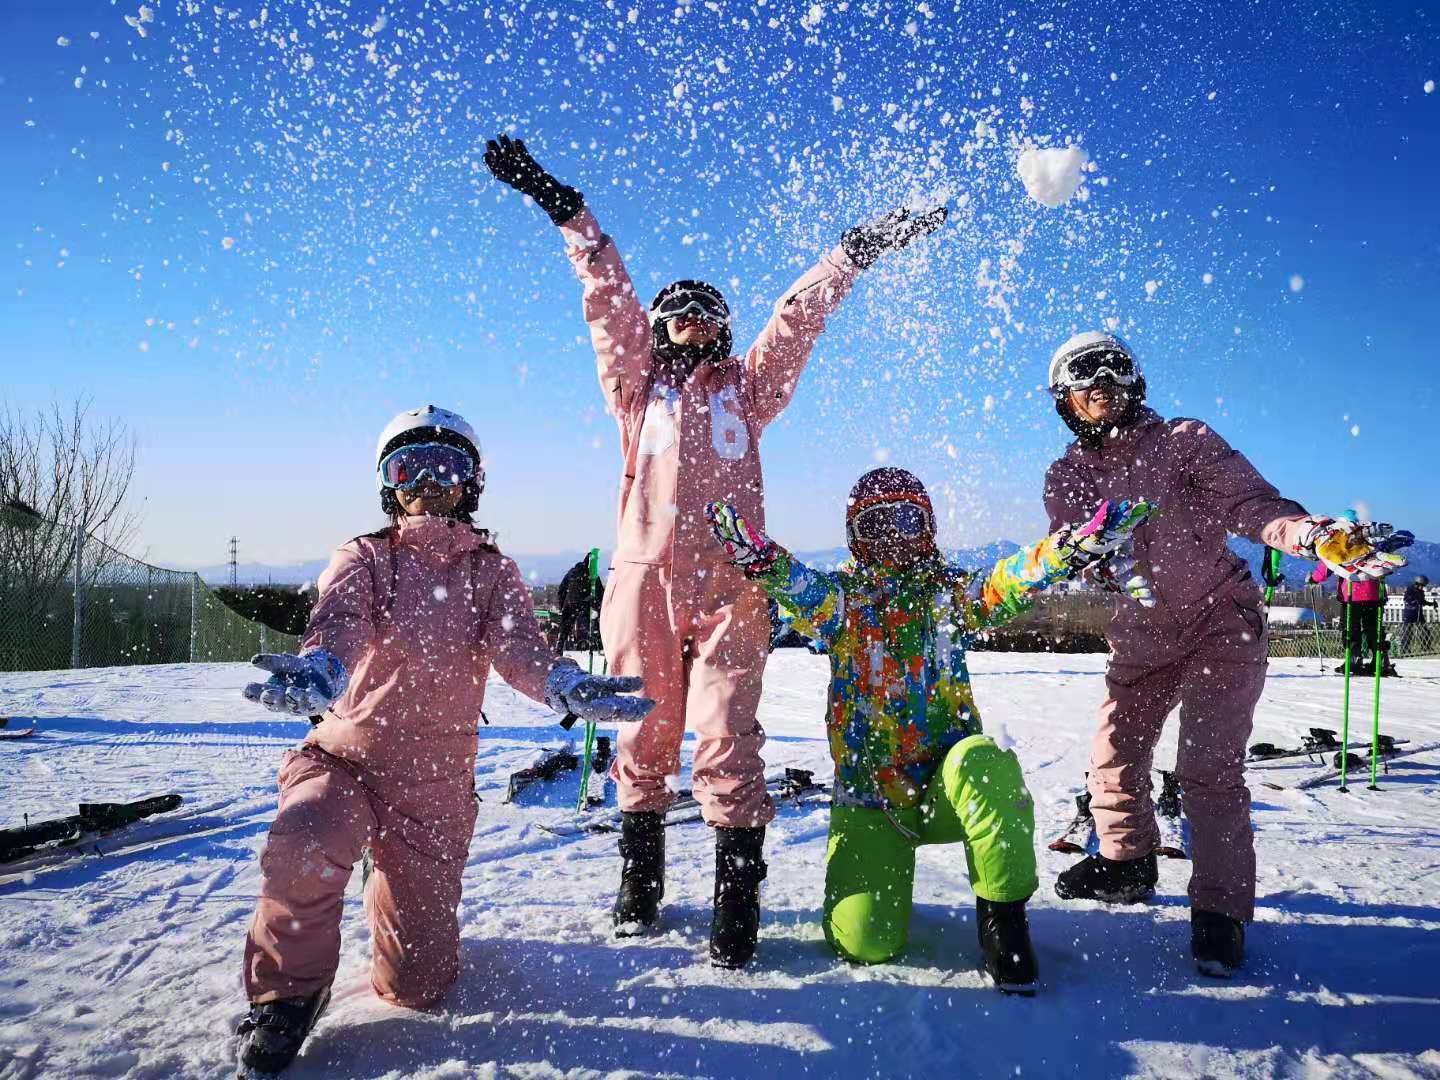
(1355, 765)
(556, 762)
(7, 732)
(795, 786)
(1318, 743)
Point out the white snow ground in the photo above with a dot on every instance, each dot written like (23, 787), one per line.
(128, 965)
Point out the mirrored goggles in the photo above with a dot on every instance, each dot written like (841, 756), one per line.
(892, 521)
(699, 305)
(445, 464)
(1084, 371)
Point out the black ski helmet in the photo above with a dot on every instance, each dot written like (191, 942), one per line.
(431, 425)
(675, 298)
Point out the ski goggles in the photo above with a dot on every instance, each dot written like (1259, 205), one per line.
(698, 304)
(893, 520)
(445, 464)
(1084, 370)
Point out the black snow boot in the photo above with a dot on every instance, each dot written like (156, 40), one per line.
(1112, 880)
(1217, 942)
(272, 1034)
(1005, 946)
(642, 872)
(739, 869)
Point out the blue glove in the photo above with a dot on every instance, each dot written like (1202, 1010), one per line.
(570, 691)
(1394, 539)
(305, 685)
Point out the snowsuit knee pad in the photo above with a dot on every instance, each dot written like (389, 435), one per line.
(869, 879)
(979, 797)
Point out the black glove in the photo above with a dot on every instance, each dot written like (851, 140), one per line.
(510, 163)
(866, 243)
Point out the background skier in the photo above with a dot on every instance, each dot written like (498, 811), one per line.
(690, 416)
(1361, 601)
(911, 764)
(407, 625)
(1202, 645)
(1412, 609)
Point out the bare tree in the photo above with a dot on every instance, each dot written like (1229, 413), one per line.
(75, 473)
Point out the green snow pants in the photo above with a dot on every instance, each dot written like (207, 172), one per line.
(978, 798)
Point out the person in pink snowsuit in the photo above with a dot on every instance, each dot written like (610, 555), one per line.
(408, 624)
(1200, 644)
(690, 416)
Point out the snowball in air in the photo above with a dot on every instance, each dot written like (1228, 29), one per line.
(1296, 283)
(62, 41)
(1051, 175)
(1429, 86)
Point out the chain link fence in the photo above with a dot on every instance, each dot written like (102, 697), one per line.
(1076, 622)
(85, 604)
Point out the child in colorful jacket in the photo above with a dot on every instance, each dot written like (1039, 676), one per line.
(912, 765)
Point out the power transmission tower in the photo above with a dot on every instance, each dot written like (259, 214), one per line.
(234, 561)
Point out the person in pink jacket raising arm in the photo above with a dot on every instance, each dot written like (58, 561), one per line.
(690, 416)
(1201, 645)
(407, 626)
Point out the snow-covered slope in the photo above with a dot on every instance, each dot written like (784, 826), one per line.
(128, 964)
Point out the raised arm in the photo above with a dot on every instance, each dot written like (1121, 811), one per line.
(619, 325)
(1010, 587)
(814, 600)
(779, 355)
(1101, 543)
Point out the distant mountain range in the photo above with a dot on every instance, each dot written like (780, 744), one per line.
(1424, 559)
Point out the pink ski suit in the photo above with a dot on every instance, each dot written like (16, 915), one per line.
(418, 613)
(676, 612)
(1202, 646)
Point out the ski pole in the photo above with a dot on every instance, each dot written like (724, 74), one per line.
(1345, 723)
(1270, 573)
(593, 574)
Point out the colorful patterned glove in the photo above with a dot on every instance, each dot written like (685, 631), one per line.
(1348, 549)
(572, 692)
(1120, 573)
(305, 685)
(745, 546)
(1082, 546)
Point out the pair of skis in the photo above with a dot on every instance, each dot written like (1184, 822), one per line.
(1079, 837)
(793, 786)
(1343, 764)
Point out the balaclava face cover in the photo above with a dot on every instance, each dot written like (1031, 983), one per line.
(674, 299)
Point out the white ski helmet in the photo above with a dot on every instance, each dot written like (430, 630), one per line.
(430, 424)
(1101, 346)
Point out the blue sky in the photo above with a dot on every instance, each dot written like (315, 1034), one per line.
(254, 239)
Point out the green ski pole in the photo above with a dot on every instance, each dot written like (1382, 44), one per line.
(593, 573)
(1345, 724)
(1381, 658)
(1270, 573)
